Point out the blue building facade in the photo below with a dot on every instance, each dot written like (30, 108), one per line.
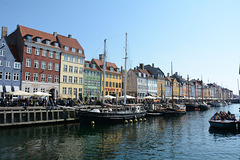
(10, 68)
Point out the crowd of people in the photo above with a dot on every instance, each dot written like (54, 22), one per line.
(222, 115)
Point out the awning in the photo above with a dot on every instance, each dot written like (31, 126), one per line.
(16, 88)
(1, 88)
(8, 88)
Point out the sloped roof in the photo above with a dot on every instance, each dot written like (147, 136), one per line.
(13, 49)
(36, 33)
(99, 63)
(70, 42)
(90, 67)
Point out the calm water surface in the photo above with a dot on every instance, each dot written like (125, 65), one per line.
(179, 137)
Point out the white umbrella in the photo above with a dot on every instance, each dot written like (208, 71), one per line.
(127, 97)
(149, 97)
(39, 94)
(19, 93)
(107, 97)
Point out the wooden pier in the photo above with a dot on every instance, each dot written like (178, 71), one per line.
(17, 116)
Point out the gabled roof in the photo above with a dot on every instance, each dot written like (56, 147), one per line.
(13, 49)
(100, 64)
(90, 67)
(71, 43)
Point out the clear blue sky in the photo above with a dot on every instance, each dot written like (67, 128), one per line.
(201, 38)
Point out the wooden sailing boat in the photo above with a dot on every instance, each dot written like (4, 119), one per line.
(114, 113)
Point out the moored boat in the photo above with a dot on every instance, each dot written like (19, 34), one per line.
(223, 120)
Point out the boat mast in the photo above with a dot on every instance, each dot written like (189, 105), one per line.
(125, 78)
(202, 89)
(188, 89)
(104, 70)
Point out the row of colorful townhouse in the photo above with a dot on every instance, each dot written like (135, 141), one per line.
(147, 80)
(32, 61)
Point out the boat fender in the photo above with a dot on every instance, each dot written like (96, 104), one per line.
(93, 123)
(130, 121)
(144, 119)
(135, 120)
(126, 121)
(140, 119)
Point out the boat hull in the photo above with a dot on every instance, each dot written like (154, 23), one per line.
(230, 124)
(86, 116)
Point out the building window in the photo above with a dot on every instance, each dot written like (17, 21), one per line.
(7, 76)
(47, 42)
(1, 75)
(44, 53)
(28, 62)
(57, 55)
(43, 77)
(75, 79)
(64, 90)
(66, 48)
(75, 69)
(1, 63)
(27, 89)
(2, 52)
(37, 51)
(81, 60)
(35, 77)
(50, 66)
(35, 90)
(36, 63)
(116, 85)
(56, 67)
(80, 80)
(8, 64)
(15, 76)
(73, 50)
(65, 68)
(50, 54)
(70, 58)
(76, 59)
(29, 49)
(50, 78)
(113, 84)
(43, 90)
(110, 75)
(80, 70)
(70, 68)
(56, 79)
(65, 57)
(43, 65)
(69, 90)
(70, 79)
(27, 76)
(17, 65)
(119, 85)
(39, 40)
(106, 75)
(65, 79)
(106, 84)
(80, 51)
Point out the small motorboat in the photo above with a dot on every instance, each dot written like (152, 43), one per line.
(223, 120)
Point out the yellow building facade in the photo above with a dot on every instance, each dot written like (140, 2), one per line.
(72, 69)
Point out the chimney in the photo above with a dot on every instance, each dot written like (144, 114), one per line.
(55, 33)
(176, 73)
(4, 31)
(101, 57)
(167, 74)
(152, 65)
(69, 36)
(142, 66)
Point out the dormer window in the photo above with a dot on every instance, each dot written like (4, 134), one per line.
(139, 74)
(55, 44)
(66, 48)
(87, 65)
(47, 42)
(111, 68)
(144, 75)
(38, 40)
(73, 50)
(94, 66)
(29, 38)
(80, 51)
(118, 70)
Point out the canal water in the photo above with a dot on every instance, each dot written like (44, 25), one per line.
(177, 137)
